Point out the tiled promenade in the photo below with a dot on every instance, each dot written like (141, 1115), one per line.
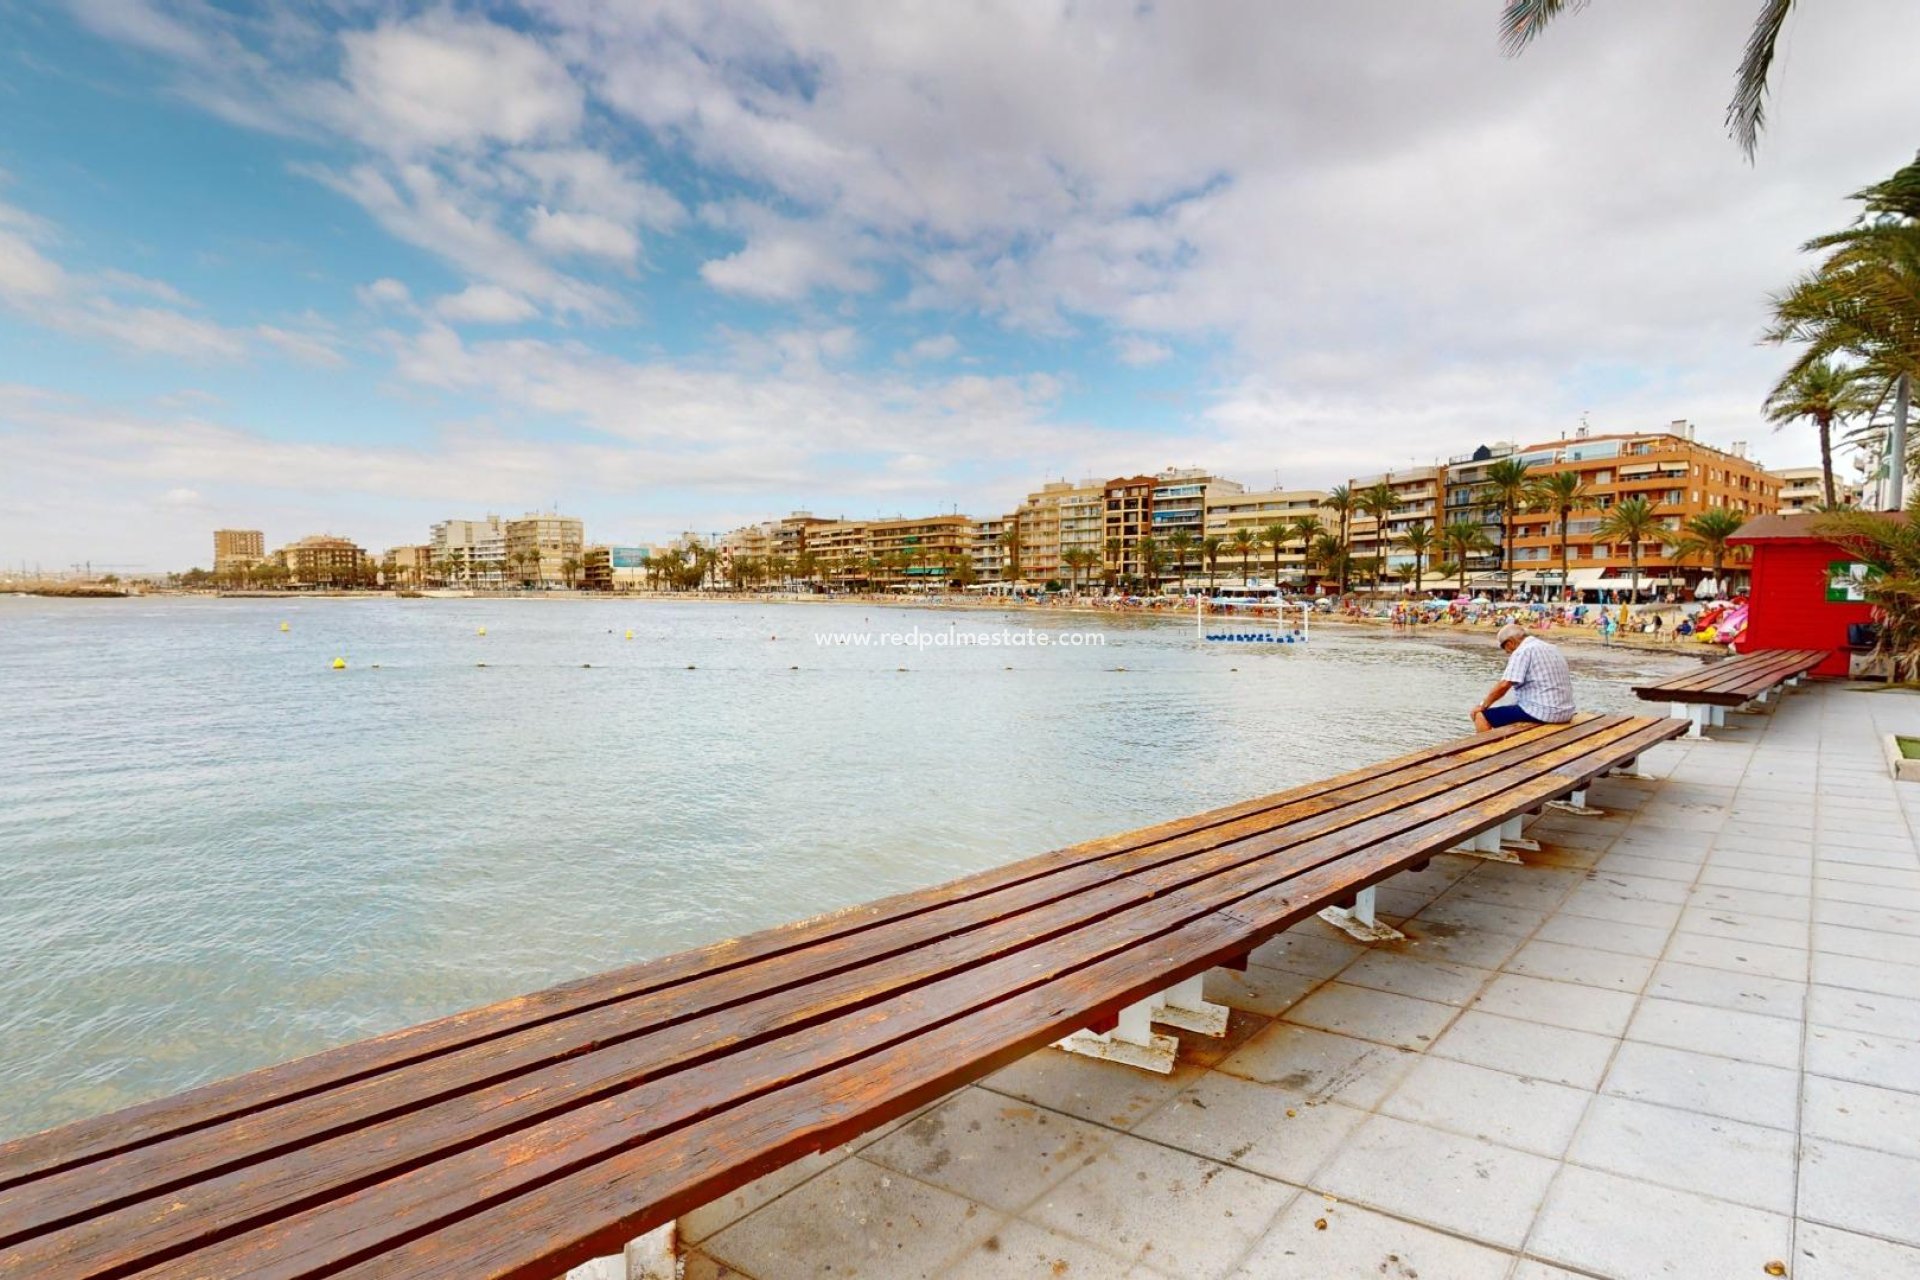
(1683, 1040)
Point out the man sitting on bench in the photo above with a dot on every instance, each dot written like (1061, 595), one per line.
(1536, 676)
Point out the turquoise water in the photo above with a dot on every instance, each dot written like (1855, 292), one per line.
(218, 852)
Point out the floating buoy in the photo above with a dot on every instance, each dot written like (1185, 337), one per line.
(479, 664)
(376, 666)
(587, 665)
(629, 635)
(339, 664)
(899, 668)
(480, 631)
(284, 627)
(793, 668)
(691, 667)
(773, 637)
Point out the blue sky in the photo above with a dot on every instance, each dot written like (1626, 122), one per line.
(357, 267)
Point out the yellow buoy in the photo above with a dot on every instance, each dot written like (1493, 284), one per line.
(339, 664)
(283, 626)
(480, 631)
(629, 635)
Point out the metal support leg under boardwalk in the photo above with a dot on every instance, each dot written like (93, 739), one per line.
(1360, 922)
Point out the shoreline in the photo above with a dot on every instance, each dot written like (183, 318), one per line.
(1558, 633)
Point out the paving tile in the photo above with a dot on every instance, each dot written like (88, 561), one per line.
(1607, 969)
(1515, 1111)
(1260, 990)
(1753, 902)
(1850, 1010)
(1206, 1051)
(1491, 917)
(1824, 1253)
(1259, 1127)
(1709, 1085)
(1104, 1092)
(1604, 1224)
(1357, 1242)
(1880, 917)
(1856, 1189)
(858, 1220)
(1721, 989)
(1797, 864)
(1864, 1057)
(1466, 1185)
(1722, 922)
(1149, 1202)
(1021, 1251)
(1530, 1269)
(1749, 1037)
(1435, 980)
(738, 1203)
(1598, 903)
(1869, 944)
(1576, 1058)
(1605, 935)
(1709, 1155)
(1866, 975)
(1641, 887)
(1558, 1004)
(1453, 944)
(1630, 864)
(1319, 1065)
(996, 1150)
(1316, 954)
(1738, 956)
(1372, 1015)
(1861, 1115)
(1785, 884)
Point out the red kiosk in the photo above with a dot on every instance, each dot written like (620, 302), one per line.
(1806, 591)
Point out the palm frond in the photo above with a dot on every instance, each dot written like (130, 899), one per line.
(1522, 20)
(1747, 113)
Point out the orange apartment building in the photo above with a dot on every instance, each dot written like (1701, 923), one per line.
(1677, 474)
(1129, 516)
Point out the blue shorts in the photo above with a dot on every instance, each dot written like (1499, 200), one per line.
(1508, 713)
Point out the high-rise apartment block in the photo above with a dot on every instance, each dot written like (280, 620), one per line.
(235, 550)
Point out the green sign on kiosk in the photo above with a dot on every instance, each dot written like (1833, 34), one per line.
(1847, 581)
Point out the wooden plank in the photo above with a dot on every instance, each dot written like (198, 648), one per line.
(550, 1041)
(1573, 755)
(1737, 680)
(518, 1100)
(39, 1154)
(555, 1196)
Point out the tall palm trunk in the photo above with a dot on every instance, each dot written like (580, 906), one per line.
(1824, 422)
(1566, 588)
(1506, 545)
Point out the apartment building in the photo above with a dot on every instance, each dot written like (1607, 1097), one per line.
(840, 551)
(1417, 498)
(540, 546)
(324, 560)
(408, 566)
(1229, 513)
(237, 550)
(1057, 518)
(610, 568)
(990, 549)
(1803, 489)
(1129, 517)
(917, 551)
(789, 534)
(1673, 471)
(471, 552)
(1470, 500)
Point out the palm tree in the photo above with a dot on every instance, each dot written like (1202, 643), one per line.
(1507, 493)
(1419, 539)
(1340, 501)
(570, 570)
(1010, 539)
(1707, 534)
(1147, 548)
(1379, 503)
(1243, 543)
(1210, 548)
(1276, 536)
(1632, 522)
(1824, 392)
(1464, 539)
(1522, 20)
(1893, 548)
(1180, 544)
(1560, 493)
(1325, 550)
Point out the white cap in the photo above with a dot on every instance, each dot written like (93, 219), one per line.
(1512, 631)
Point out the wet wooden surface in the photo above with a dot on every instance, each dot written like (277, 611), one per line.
(527, 1136)
(1737, 680)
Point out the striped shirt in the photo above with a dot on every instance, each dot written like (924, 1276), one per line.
(1542, 685)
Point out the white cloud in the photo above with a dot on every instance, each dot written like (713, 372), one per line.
(485, 304)
(309, 346)
(183, 498)
(784, 261)
(941, 347)
(1132, 349)
(384, 292)
(443, 80)
(582, 180)
(583, 233)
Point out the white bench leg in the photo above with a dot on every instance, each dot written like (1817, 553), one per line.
(1487, 845)
(1513, 836)
(1698, 716)
(653, 1256)
(1631, 769)
(1577, 803)
(1361, 923)
(1719, 717)
(1182, 1005)
(1132, 1041)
